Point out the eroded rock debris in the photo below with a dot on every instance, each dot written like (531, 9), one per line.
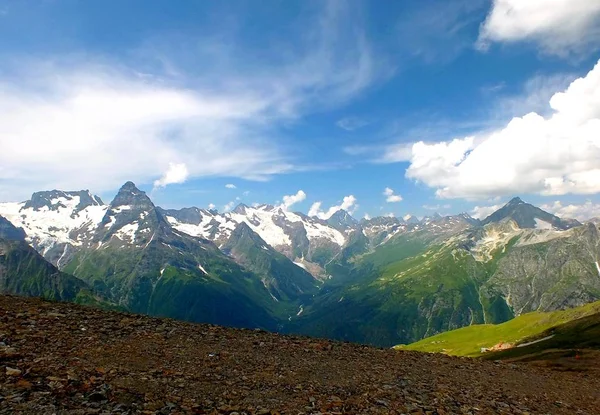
(59, 358)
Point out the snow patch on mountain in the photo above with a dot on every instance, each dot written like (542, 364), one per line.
(61, 222)
(128, 231)
(267, 221)
(261, 222)
(542, 224)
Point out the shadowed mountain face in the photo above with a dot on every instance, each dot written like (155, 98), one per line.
(529, 216)
(285, 280)
(383, 281)
(9, 232)
(25, 272)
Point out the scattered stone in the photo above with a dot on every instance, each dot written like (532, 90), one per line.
(12, 372)
(126, 364)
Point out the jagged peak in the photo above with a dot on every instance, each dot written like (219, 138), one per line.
(54, 199)
(129, 186)
(515, 201)
(240, 209)
(342, 214)
(528, 216)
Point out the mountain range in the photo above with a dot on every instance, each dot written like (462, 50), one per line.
(382, 281)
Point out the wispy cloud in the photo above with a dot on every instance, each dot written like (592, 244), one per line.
(63, 121)
(352, 123)
(436, 207)
(229, 206)
(230, 186)
(439, 30)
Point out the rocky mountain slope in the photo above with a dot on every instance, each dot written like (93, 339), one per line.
(382, 281)
(451, 272)
(23, 271)
(528, 216)
(63, 358)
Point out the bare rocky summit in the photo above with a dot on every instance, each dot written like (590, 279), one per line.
(59, 358)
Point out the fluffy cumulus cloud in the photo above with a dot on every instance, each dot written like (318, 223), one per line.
(390, 197)
(482, 212)
(211, 206)
(581, 212)
(552, 155)
(176, 173)
(290, 200)
(559, 26)
(230, 186)
(348, 204)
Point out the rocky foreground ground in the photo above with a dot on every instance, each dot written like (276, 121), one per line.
(62, 358)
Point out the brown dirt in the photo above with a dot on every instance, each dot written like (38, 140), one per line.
(62, 358)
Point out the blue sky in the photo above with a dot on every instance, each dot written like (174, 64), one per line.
(446, 103)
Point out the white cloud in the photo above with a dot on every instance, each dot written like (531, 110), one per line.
(367, 216)
(352, 123)
(437, 31)
(482, 212)
(246, 193)
(407, 216)
(71, 124)
(211, 206)
(552, 155)
(534, 97)
(289, 201)
(390, 196)
(229, 206)
(176, 173)
(397, 152)
(315, 208)
(559, 26)
(436, 207)
(230, 186)
(348, 204)
(97, 129)
(581, 212)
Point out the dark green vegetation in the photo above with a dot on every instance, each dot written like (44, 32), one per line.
(163, 272)
(426, 282)
(284, 280)
(24, 271)
(392, 282)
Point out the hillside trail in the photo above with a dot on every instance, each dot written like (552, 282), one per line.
(67, 359)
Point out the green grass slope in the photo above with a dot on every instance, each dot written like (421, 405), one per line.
(568, 340)
(468, 341)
